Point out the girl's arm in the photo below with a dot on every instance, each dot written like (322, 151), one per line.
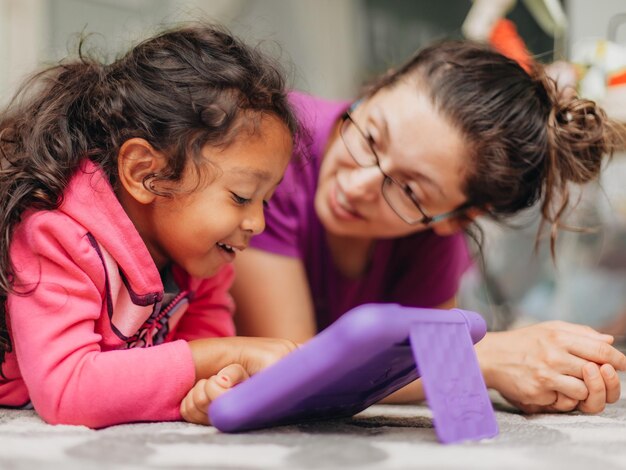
(272, 296)
(58, 329)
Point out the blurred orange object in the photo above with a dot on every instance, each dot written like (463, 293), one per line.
(618, 78)
(506, 40)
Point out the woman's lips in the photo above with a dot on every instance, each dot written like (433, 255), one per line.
(340, 206)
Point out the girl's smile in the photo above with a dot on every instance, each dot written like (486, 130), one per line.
(209, 220)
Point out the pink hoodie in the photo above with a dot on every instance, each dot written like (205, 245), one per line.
(92, 342)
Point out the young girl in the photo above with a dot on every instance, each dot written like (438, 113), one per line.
(458, 131)
(128, 190)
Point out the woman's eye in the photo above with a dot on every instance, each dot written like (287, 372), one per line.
(240, 200)
(412, 192)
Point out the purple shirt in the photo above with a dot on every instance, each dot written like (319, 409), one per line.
(420, 270)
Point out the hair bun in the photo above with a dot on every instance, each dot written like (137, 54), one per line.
(577, 137)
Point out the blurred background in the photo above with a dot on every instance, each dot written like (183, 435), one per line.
(332, 47)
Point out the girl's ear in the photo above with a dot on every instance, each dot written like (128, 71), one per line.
(136, 160)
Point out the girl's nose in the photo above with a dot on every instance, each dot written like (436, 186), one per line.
(362, 183)
(254, 222)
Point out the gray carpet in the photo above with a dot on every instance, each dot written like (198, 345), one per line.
(382, 437)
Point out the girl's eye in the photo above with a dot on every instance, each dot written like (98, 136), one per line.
(240, 200)
(266, 204)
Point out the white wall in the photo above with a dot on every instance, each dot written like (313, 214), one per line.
(320, 38)
(22, 31)
(590, 19)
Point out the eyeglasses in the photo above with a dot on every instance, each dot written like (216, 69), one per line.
(399, 196)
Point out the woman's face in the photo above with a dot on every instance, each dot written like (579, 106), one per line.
(415, 146)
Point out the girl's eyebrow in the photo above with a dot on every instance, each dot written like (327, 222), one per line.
(261, 175)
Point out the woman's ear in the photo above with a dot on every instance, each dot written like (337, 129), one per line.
(136, 160)
(456, 224)
(474, 212)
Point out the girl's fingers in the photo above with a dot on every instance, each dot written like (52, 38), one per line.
(231, 375)
(596, 401)
(194, 405)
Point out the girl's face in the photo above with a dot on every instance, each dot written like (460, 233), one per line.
(415, 146)
(203, 230)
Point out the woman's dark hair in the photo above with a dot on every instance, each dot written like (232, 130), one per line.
(527, 140)
(179, 90)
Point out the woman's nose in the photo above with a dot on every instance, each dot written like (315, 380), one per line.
(362, 183)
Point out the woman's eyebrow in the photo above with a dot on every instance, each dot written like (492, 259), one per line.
(428, 181)
(378, 119)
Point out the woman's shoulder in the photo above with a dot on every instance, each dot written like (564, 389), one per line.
(316, 114)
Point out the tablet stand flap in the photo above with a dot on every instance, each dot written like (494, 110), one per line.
(453, 383)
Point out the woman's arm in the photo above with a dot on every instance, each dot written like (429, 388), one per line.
(551, 366)
(272, 297)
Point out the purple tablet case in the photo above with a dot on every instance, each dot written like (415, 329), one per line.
(370, 352)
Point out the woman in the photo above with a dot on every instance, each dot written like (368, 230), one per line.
(375, 214)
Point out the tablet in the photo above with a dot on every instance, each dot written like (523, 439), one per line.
(367, 354)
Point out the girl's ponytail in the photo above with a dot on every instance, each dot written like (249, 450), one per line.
(179, 90)
(41, 145)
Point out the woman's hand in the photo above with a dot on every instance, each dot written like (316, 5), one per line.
(195, 406)
(552, 366)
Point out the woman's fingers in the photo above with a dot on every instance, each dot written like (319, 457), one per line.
(583, 330)
(612, 383)
(569, 386)
(564, 403)
(596, 401)
(596, 351)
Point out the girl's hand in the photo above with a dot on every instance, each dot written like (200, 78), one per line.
(194, 407)
(211, 355)
(552, 366)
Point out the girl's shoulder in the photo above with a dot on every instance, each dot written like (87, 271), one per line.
(40, 226)
(52, 234)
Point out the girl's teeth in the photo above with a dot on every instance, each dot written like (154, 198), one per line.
(225, 246)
